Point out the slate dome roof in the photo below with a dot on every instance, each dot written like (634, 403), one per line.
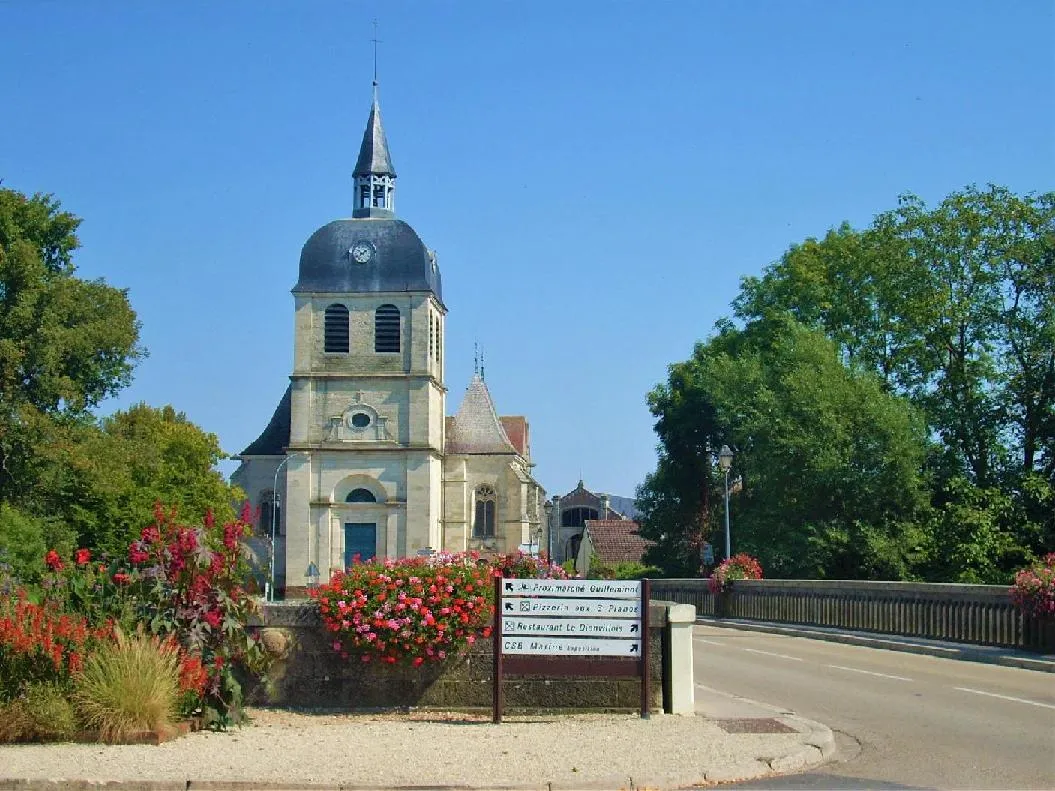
(400, 261)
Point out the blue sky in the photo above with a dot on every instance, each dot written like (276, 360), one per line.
(596, 177)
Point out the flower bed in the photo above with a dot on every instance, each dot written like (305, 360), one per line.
(181, 598)
(1033, 591)
(738, 567)
(416, 610)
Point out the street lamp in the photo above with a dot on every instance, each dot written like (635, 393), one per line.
(725, 461)
(274, 526)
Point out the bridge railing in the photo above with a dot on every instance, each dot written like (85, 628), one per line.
(978, 614)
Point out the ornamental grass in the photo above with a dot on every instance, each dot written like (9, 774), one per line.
(42, 713)
(129, 686)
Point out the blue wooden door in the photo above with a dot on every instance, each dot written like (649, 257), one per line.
(360, 538)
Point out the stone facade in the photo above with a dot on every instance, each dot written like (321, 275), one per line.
(368, 462)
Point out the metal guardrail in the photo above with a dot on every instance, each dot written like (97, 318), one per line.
(977, 614)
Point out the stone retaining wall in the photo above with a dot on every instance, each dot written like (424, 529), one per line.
(309, 674)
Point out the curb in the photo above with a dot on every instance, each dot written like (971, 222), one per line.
(984, 654)
(818, 747)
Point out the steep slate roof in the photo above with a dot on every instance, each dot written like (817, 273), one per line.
(274, 439)
(616, 540)
(476, 428)
(373, 153)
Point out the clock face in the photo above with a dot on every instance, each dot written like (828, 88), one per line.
(362, 252)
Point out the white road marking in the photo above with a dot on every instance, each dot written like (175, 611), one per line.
(770, 653)
(709, 642)
(1005, 697)
(869, 672)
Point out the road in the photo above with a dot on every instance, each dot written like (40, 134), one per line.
(901, 720)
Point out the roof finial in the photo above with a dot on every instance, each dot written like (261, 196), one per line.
(482, 376)
(476, 357)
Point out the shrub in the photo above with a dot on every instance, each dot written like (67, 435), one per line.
(414, 610)
(43, 712)
(1033, 591)
(180, 582)
(738, 567)
(129, 686)
(191, 583)
(622, 570)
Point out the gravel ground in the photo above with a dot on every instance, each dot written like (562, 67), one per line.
(567, 751)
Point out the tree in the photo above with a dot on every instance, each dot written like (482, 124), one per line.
(105, 478)
(829, 461)
(954, 307)
(65, 343)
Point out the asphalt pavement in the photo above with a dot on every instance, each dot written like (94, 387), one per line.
(901, 718)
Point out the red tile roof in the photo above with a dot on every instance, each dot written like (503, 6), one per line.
(517, 430)
(616, 540)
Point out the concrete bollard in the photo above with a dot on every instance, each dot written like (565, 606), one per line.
(680, 620)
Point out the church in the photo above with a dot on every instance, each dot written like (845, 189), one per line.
(360, 458)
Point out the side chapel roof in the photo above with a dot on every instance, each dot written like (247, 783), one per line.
(274, 439)
(476, 427)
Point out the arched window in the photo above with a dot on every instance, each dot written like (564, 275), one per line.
(360, 496)
(484, 523)
(336, 331)
(386, 329)
(270, 514)
(576, 517)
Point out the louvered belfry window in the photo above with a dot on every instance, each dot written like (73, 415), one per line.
(386, 329)
(336, 329)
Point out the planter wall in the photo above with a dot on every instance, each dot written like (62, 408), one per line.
(309, 674)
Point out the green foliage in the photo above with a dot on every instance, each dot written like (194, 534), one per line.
(823, 456)
(106, 478)
(43, 712)
(931, 453)
(128, 686)
(65, 343)
(621, 570)
(24, 539)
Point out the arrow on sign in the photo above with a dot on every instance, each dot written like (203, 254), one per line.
(633, 627)
(633, 648)
(509, 606)
(509, 586)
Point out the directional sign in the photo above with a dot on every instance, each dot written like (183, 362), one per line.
(573, 627)
(595, 608)
(590, 589)
(570, 646)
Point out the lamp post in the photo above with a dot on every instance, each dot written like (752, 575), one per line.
(274, 526)
(725, 461)
(547, 509)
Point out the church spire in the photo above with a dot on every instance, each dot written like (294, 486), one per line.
(375, 178)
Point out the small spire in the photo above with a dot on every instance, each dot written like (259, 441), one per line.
(374, 175)
(482, 374)
(476, 358)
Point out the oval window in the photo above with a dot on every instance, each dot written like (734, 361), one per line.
(360, 420)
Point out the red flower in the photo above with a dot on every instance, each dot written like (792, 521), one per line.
(82, 556)
(53, 561)
(121, 578)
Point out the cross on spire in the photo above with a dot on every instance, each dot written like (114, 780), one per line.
(376, 41)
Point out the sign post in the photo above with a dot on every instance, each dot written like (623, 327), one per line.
(571, 628)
